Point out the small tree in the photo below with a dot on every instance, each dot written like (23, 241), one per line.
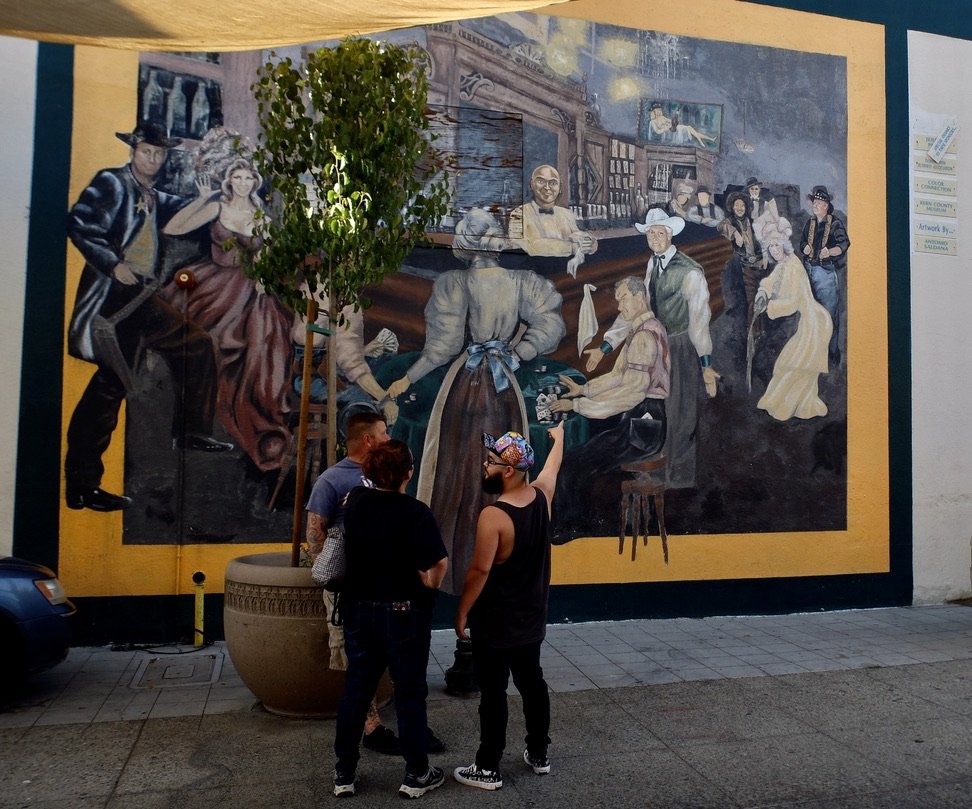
(345, 148)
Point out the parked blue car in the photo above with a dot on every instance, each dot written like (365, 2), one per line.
(35, 625)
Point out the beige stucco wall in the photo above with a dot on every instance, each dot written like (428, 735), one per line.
(18, 60)
(941, 290)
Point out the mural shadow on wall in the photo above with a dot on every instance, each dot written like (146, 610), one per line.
(190, 497)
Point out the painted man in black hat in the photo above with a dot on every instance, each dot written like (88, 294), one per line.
(760, 199)
(115, 225)
(822, 247)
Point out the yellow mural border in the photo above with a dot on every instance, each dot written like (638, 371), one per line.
(864, 546)
(94, 562)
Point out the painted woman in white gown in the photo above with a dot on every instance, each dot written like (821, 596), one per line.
(474, 319)
(793, 389)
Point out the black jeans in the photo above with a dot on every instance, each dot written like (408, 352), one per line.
(377, 635)
(189, 352)
(492, 668)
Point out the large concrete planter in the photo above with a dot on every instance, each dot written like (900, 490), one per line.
(276, 634)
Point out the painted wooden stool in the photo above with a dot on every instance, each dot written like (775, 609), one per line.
(648, 484)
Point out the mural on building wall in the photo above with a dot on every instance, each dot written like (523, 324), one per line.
(665, 275)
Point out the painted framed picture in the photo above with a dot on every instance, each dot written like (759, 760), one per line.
(680, 123)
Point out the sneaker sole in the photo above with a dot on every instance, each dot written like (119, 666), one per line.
(537, 770)
(469, 782)
(418, 792)
(344, 791)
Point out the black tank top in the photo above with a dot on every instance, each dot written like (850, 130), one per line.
(512, 608)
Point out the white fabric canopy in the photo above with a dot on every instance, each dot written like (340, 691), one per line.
(229, 25)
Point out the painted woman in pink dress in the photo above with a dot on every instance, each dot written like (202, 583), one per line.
(250, 330)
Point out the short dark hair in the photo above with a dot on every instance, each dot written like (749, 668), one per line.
(360, 423)
(388, 464)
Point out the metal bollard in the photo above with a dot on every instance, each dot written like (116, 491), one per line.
(198, 579)
(460, 681)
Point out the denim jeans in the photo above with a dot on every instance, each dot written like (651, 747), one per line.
(492, 668)
(380, 635)
(825, 285)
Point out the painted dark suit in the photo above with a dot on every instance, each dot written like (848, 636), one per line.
(679, 296)
(116, 220)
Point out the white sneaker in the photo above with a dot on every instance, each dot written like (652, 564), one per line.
(344, 785)
(473, 776)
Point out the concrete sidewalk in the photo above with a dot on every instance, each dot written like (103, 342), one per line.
(869, 708)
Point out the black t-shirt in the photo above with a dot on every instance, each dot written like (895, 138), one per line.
(389, 537)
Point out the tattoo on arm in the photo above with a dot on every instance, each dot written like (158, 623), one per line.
(316, 533)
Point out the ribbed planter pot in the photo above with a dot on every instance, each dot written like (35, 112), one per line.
(276, 634)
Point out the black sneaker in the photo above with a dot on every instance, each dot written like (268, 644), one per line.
(382, 740)
(415, 787)
(473, 776)
(539, 764)
(436, 745)
(344, 785)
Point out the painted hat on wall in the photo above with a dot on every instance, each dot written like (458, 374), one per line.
(738, 196)
(820, 192)
(152, 134)
(659, 216)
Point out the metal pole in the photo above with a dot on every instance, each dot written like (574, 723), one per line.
(199, 635)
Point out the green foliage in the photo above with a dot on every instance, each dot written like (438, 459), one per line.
(346, 129)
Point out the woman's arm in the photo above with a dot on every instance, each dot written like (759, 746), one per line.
(432, 578)
(201, 211)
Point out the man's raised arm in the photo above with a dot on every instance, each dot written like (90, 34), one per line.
(547, 479)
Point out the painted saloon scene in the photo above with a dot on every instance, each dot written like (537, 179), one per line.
(646, 240)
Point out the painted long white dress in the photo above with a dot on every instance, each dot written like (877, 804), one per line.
(793, 390)
(479, 310)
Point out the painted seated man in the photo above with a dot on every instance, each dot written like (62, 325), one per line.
(631, 396)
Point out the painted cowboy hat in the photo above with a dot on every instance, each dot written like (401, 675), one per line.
(738, 195)
(820, 192)
(659, 216)
(152, 134)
